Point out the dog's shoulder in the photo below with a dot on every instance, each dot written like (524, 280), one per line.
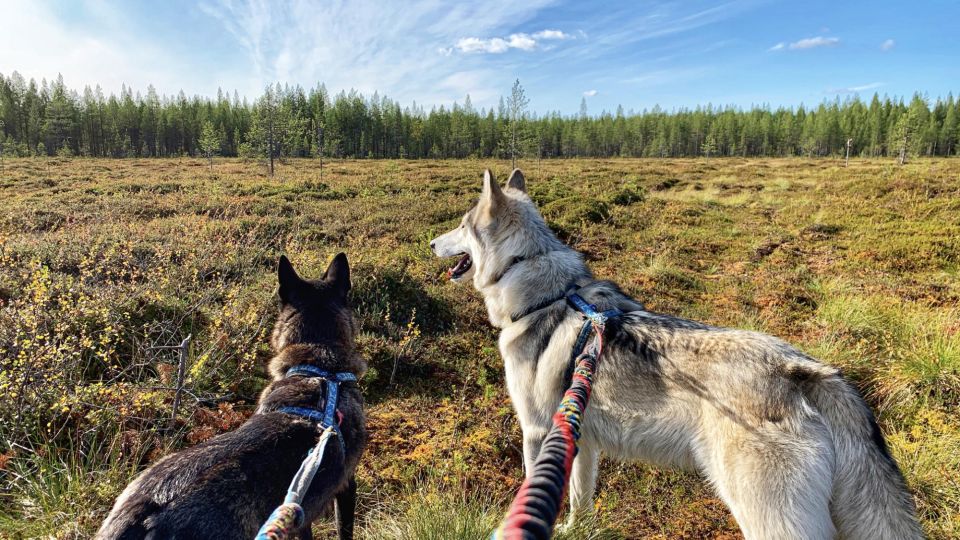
(607, 295)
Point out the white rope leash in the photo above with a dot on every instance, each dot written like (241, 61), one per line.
(308, 469)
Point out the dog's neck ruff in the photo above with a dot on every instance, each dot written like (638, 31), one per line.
(327, 417)
(571, 289)
(533, 283)
(513, 262)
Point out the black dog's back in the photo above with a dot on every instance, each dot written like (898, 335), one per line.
(228, 486)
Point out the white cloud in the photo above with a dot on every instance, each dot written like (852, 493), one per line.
(522, 41)
(590, 93)
(811, 43)
(476, 45)
(887, 45)
(552, 34)
(498, 45)
(806, 43)
(855, 89)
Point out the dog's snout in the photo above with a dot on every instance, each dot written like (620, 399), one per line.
(433, 245)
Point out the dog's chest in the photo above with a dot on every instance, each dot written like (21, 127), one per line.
(629, 416)
(535, 364)
(522, 384)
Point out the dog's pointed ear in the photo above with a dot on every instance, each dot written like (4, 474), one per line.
(517, 181)
(338, 274)
(492, 192)
(288, 278)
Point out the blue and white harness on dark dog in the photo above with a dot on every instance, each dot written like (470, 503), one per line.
(289, 516)
(327, 418)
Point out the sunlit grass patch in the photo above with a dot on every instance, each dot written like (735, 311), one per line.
(781, 184)
(431, 515)
(63, 493)
(929, 456)
(911, 352)
(587, 528)
(927, 363)
(665, 272)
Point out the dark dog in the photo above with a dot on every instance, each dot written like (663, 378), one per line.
(228, 486)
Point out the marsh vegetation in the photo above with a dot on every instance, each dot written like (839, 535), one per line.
(105, 263)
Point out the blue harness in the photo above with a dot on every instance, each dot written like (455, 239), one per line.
(592, 317)
(327, 418)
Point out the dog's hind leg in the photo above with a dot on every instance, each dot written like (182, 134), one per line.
(346, 508)
(777, 479)
(583, 482)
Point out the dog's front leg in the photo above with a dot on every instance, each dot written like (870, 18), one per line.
(346, 507)
(583, 483)
(532, 440)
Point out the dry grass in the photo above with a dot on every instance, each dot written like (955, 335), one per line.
(102, 262)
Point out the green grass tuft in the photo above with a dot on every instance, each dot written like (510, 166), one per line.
(433, 516)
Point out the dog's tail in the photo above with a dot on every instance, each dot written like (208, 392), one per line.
(870, 498)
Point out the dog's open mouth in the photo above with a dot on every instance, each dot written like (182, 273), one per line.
(462, 267)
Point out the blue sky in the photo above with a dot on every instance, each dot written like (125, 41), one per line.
(636, 54)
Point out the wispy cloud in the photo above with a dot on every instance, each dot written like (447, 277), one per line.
(499, 45)
(807, 43)
(404, 48)
(855, 89)
(667, 76)
(887, 45)
(624, 27)
(814, 42)
(590, 93)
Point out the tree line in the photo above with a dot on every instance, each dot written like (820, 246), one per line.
(52, 119)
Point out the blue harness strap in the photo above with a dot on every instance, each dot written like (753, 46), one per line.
(592, 318)
(590, 311)
(327, 418)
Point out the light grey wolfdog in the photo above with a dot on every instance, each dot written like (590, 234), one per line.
(787, 443)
